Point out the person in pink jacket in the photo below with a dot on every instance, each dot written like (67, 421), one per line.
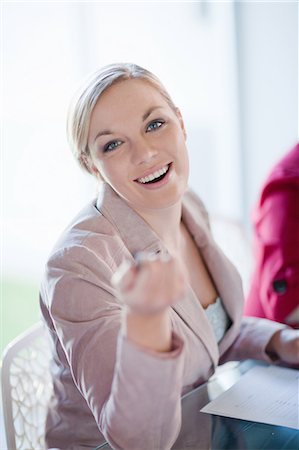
(274, 290)
(140, 303)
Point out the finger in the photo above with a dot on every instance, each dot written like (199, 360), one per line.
(123, 276)
(144, 257)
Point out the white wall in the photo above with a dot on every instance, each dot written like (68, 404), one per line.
(49, 47)
(267, 40)
(42, 186)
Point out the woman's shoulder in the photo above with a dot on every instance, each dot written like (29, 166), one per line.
(89, 235)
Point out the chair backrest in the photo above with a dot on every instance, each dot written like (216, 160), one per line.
(26, 389)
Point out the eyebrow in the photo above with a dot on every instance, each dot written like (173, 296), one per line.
(144, 117)
(102, 133)
(149, 111)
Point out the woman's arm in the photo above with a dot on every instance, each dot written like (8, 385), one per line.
(264, 340)
(132, 388)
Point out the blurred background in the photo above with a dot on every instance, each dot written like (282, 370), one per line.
(231, 67)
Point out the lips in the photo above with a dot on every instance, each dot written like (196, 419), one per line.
(154, 176)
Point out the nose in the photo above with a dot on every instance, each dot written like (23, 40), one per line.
(142, 152)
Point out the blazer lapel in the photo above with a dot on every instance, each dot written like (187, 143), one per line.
(191, 312)
(223, 272)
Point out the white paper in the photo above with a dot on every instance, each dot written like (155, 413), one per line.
(263, 394)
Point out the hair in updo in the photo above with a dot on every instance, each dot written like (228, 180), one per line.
(84, 101)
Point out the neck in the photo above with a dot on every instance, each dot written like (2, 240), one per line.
(167, 224)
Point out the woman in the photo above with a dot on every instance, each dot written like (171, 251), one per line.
(132, 333)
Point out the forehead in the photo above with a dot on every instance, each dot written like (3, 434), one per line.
(127, 97)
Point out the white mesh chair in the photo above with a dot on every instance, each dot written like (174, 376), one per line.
(26, 389)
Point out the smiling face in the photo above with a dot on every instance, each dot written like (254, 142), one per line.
(137, 144)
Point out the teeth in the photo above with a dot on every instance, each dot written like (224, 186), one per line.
(154, 175)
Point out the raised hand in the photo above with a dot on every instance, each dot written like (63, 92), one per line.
(152, 284)
(148, 288)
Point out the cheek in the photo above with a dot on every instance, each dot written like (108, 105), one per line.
(183, 158)
(181, 149)
(112, 171)
(179, 141)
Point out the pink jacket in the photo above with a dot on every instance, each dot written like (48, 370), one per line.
(105, 387)
(274, 291)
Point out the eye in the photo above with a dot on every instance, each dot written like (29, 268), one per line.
(154, 125)
(112, 146)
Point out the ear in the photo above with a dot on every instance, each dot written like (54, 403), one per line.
(87, 162)
(96, 172)
(178, 112)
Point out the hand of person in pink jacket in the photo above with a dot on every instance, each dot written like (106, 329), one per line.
(148, 288)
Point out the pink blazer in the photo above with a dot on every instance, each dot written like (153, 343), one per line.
(274, 291)
(105, 387)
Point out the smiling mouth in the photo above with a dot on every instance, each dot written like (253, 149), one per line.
(156, 176)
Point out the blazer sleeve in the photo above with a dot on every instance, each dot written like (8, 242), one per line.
(252, 340)
(134, 394)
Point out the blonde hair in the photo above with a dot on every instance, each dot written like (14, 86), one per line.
(85, 99)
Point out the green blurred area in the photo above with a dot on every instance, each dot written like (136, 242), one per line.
(19, 308)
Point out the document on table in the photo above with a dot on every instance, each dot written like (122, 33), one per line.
(263, 394)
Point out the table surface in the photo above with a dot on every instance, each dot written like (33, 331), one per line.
(203, 431)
